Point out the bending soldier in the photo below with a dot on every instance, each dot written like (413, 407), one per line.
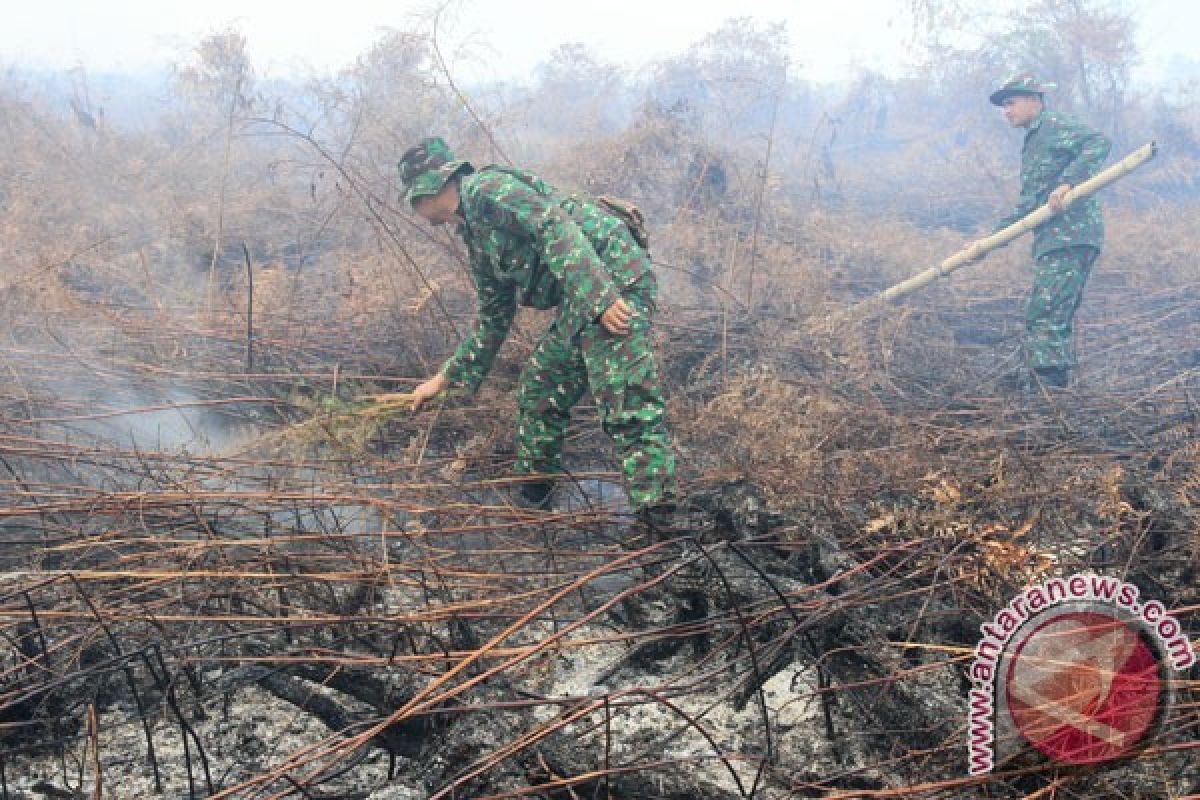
(533, 245)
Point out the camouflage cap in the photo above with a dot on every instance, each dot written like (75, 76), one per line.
(426, 166)
(1024, 83)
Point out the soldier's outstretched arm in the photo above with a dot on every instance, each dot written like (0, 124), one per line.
(473, 358)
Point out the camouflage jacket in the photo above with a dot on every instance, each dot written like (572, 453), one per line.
(530, 244)
(1060, 149)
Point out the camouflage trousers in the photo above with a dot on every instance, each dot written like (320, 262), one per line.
(622, 374)
(1058, 280)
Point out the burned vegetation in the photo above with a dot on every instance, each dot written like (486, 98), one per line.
(222, 576)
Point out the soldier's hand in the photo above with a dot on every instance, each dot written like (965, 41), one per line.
(429, 390)
(616, 319)
(1057, 197)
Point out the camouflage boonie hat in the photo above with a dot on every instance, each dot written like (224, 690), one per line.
(1025, 83)
(426, 166)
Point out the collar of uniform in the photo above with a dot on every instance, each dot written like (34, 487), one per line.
(1039, 119)
(461, 227)
(465, 184)
(466, 196)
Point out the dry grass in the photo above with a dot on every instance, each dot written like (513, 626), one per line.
(268, 529)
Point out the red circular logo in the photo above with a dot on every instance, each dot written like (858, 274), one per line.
(1084, 687)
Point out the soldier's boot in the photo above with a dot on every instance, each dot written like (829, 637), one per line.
(535, 495)
(1053, 377)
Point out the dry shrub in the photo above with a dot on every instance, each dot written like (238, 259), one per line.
(888, 435)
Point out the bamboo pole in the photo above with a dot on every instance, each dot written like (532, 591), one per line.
(979, 249)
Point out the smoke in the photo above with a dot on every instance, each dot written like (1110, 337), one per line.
(161, 420)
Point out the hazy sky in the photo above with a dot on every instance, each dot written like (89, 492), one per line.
(289, 36)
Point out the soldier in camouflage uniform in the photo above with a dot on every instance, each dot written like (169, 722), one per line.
(1060, 152)
(533, 245)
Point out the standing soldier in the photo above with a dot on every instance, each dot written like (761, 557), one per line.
(534, 245)
(1060, 152)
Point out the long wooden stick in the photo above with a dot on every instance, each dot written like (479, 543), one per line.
(981, 248)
